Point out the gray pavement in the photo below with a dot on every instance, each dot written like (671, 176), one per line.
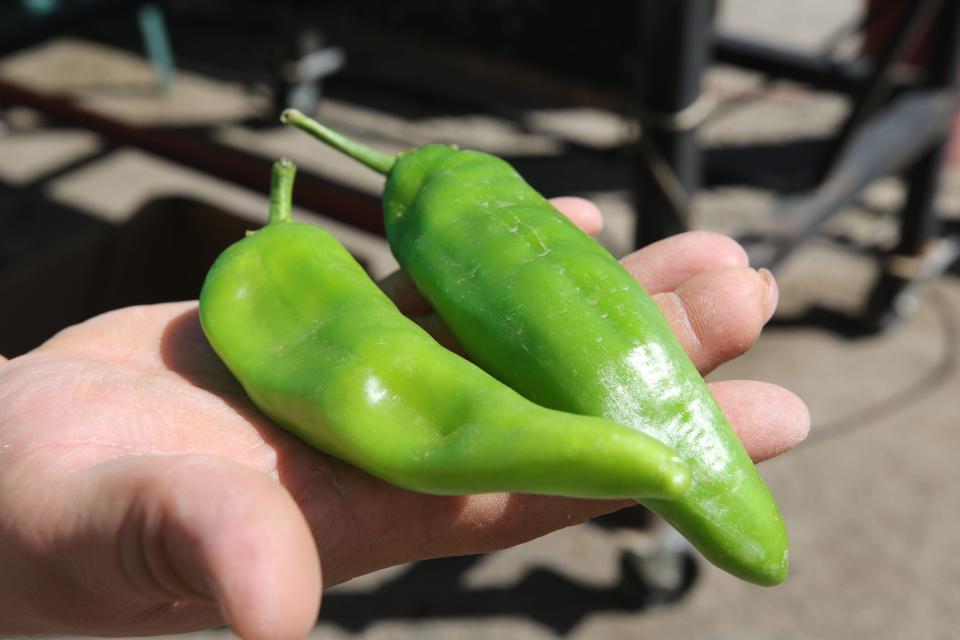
(871, 499)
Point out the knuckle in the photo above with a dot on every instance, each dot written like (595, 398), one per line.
(718, 315)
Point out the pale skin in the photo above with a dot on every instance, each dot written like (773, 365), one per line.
(141, 493)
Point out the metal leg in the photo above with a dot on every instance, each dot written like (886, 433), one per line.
(921, 253)
(674, 50)
(871, 95)
(153, 29)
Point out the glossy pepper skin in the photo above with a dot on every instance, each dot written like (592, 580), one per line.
(322, 351)
(546, 309)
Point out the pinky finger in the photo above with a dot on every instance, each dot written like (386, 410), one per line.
(768, 419)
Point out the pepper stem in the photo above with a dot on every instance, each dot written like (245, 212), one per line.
(281, 191)
(379, 162)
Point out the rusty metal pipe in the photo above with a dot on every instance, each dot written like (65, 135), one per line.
(341, 203)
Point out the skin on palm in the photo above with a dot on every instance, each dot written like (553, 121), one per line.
(79, 414)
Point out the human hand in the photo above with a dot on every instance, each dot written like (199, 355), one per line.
(141, 493)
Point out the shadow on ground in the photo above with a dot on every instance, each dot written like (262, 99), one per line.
(434, 589)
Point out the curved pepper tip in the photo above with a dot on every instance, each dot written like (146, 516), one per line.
(774, 573)
(768, 571)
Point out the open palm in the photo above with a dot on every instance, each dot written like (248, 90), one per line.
(141, 492)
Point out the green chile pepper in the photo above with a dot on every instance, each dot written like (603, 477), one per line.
(322, 351)
(544, 308)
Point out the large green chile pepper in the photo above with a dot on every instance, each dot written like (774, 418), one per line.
(546, 309)
(322, 351)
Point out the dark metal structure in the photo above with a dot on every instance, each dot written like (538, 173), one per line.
(670, 109)
(898, 124)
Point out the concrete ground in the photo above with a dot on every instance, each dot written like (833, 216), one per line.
(871, 499)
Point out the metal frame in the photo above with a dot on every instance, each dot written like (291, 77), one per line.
(353, 207)
(669, 111)
(897, 125)
(922, 243)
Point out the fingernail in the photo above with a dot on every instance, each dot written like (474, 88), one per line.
(772, 293)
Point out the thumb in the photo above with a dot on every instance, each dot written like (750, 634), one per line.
(201, 529)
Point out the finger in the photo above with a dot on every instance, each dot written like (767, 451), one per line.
(718, 315)
(581, 212)
(203, 529)
(768, 419)
(668, 263)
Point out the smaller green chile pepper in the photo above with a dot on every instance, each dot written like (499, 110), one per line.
(322, 351)
(549, 311)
